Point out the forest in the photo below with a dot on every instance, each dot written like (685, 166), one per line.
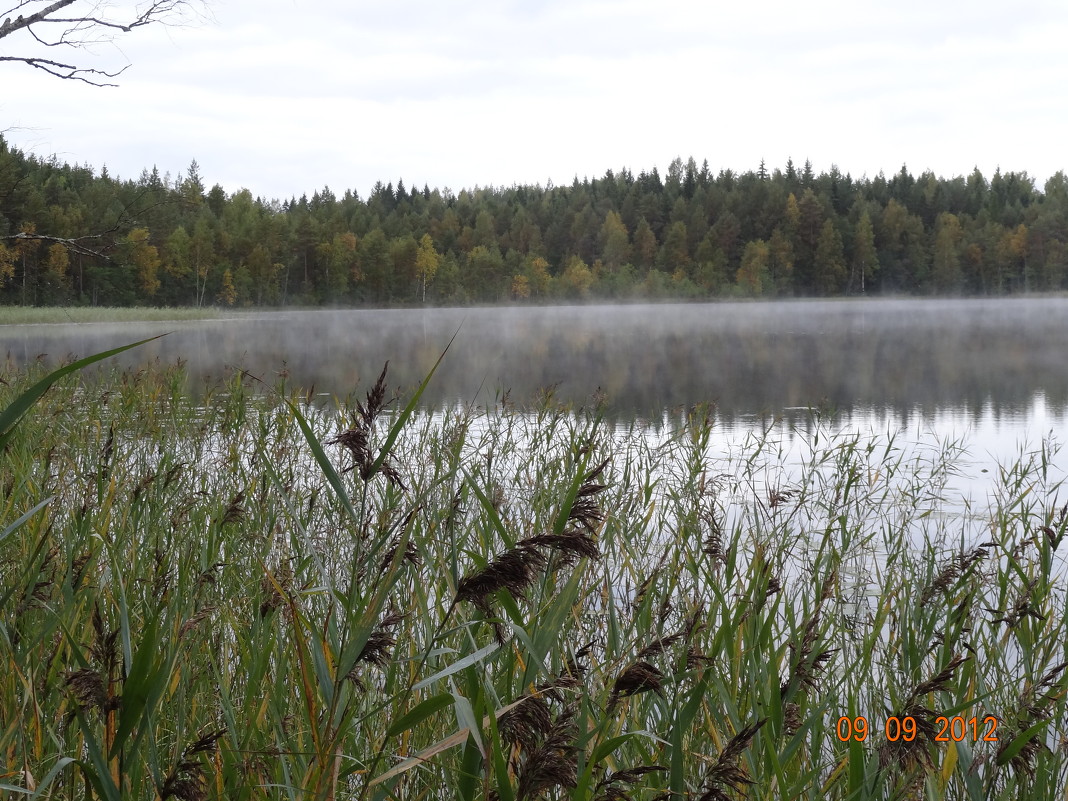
(72, 235)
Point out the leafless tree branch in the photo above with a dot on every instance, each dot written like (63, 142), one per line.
(68, 71)
(74, 244)
(43, 25)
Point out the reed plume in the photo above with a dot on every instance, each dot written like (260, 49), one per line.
(585, 511)
(1035, 705)
(956, 567)
(357, 438)
(526, 724)
(606, 789)
(1021, 608)
(552, 763)
(916, 753)
(636, 678)
(726, 776)
(805, 664)
(514, 570)
(186, 781)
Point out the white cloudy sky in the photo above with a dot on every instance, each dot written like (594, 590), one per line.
(286, 96)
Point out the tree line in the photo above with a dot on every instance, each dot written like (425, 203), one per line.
(72, 235)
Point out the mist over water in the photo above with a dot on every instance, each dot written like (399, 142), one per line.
(897, 357)
(992, 374)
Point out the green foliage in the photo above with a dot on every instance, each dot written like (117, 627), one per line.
(247, 597)
(826, 234)
(753, 274)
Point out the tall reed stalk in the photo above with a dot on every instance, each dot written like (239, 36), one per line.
(247, 596)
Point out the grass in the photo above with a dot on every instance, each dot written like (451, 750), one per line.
(29, 315)
(250, 597)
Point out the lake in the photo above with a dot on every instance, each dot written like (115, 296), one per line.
(994, 372)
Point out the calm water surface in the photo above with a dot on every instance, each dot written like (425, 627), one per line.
(994, 372)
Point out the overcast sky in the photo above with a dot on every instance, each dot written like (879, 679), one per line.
(285, 97)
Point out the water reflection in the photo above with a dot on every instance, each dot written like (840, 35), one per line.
(905, 358)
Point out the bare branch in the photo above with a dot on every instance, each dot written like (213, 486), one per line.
(8, 27)
(80, 32)
(74, 244)
(68, 71)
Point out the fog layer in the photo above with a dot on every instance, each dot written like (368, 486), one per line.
(747, 358)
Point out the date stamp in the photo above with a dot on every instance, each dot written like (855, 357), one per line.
(950, 729)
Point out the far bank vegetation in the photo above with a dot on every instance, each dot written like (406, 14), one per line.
(71, 235)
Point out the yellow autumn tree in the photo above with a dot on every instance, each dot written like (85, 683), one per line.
(55, 279)
(577, 278)
(752, 276)
(1019, 242)
(945, 259)
(792, 213)
(537, 274)
(7, 264)
(227, 292)
(144, 258)
(520, 287)
(427, 261)
(26, 250)
(615, 242)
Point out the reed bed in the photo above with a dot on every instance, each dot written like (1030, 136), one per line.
(250, 597)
